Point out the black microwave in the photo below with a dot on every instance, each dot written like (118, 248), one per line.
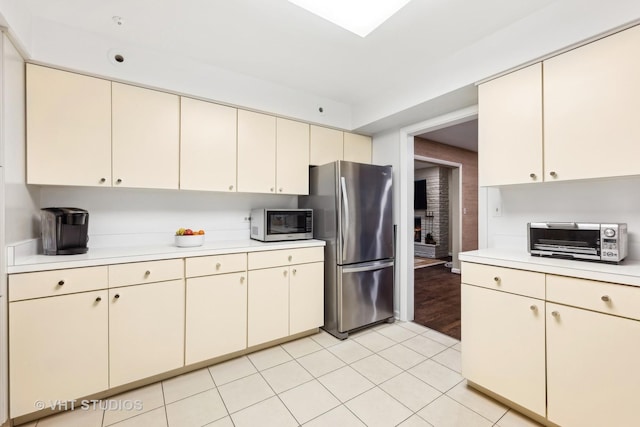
(275, 225)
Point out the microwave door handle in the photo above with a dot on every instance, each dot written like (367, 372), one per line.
(345, 220)
(562, 225)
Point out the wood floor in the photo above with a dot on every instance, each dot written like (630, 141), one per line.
(437, 299)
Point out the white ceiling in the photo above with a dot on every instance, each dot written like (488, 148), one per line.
(463, 135)
(421, 63)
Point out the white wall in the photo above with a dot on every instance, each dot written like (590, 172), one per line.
(607, 200)
(134, 217)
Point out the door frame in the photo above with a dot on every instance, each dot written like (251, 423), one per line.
(405, 219)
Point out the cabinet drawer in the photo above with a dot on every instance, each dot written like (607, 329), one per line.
(145, 272)
(268, 259)
(610, 298)
(519, 282)
(56, 282)
(216, 264)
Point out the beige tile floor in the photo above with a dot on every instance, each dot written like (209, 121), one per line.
(401, 374)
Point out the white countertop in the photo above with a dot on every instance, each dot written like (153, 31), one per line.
(627, 272)
(104, 256)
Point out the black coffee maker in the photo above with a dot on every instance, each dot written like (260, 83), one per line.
(64, 231)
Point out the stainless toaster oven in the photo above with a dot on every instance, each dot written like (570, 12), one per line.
(578, 240)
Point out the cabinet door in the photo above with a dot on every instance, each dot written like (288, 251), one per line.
(510, 128)
(306, 297)
(216, 316)
(591, 104)
(268, 307)
(325, 145)
(292, 157)
(207, 146)
(58, 348)
(256, 152)
(68, 128)
(146, 330)
(357, 148)
(504, 339)
(592, 375)
(146, 144)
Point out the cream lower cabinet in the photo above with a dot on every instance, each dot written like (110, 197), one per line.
(146, 330)
(216, 307)
(285, 299)
(58, 349)
(504, 345)
(592, 375)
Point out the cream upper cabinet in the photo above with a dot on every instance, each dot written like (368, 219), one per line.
(146, 137)
(292, 157)
(357, 148)
(306, 297)
(58, 348)
(504, 345)
(591, 100)
(68, 128)
(146, 330)
(592, 375)
(208, 134)
(256, 152)
(510, 128)
(326, 145)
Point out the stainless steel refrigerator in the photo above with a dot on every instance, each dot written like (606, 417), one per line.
(352, 213)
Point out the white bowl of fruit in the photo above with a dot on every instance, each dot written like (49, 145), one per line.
(188, 238)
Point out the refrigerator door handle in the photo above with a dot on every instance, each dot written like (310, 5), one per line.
(345, 220)
(368, 267)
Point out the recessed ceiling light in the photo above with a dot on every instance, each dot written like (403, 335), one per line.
(358, 16)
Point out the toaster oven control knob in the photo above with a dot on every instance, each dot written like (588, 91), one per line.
(609, 232)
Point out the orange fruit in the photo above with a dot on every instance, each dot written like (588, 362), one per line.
(200, 231)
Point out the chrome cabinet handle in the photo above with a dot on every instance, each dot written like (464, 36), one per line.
(555, 314)
(290, 258)
(98, 299)
(103, 180)
(241, 279)
(496, 279)
(533, 307)
(116, 296)
(61, 282)
(218, 265)
(294, 271)
(147, 273)
(280, 190)
(271, 189)
(532, 175)
(553, 174)
(605, 298)
(230, 187)
(284, 272)
(118, 181)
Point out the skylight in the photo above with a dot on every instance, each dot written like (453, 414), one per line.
(358, 16)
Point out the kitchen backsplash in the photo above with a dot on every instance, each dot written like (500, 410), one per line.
(138, 217)
(604, 200)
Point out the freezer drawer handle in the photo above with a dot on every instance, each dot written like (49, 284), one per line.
(367, 267)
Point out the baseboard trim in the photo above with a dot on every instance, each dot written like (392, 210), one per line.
(455, 270)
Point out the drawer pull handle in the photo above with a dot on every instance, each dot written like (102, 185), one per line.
(533, 307)
(241, 279)
(496, 279)
(116, 296)
(271, 189)
(553, 174)
(605, 298)
(61, 282)
(147, 273)
(98, 299)
(103, 180)
(230, 187)
(532, 175)
(284, 272)
(218, 265)
(118, 181)
(290, 257)
(555, 314)
(294, 271)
